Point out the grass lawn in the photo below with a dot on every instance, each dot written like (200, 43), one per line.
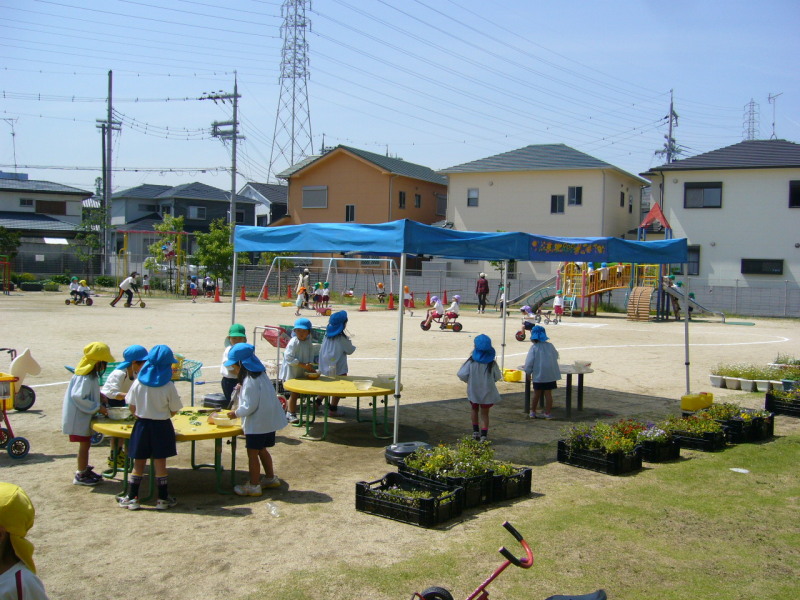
(691, 529)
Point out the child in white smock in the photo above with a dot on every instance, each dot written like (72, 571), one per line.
(481, 374)
(298, 358)
(334, 351)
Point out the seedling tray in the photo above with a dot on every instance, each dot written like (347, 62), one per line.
(709, 441)
(512, 486)
(656, 452)
(477, 489)
(423, 512)
(616, 463)
(781, 407)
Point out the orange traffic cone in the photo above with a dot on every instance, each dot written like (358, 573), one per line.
(411, 304)
(216, 294)
(266, 293)
(289, 292)
(363, 302)
(391, 302)
(444, 297)
(243, 297)
(428, 299)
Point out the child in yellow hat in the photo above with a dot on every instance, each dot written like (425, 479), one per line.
(17, 571)
(81, 402)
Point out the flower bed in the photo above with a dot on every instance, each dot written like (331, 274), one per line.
(396, 497)
(610, 463)
(783, 403)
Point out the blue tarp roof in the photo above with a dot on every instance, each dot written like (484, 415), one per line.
(410, 237)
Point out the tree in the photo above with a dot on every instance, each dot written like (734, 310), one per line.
(215, 251)
(9, 242)
(165, 250)
(89, 237)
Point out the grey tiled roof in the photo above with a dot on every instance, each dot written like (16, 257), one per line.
(145, 223)
(47, 187)
(541, 157)
(275, 193)
(146, 190)
(393, 165)
(17, 220)
(750, 154)
(186, 191)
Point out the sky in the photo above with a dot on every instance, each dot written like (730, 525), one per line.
(434, 82)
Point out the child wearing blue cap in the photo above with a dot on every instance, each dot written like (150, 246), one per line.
(334, 351)
(262, 415)
(154, 400)
(116, 388)
(542, 365)
(481, 374)
(298, 358)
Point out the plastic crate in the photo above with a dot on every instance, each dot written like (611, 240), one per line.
(656, 452)
(781, 407)
(423, 512)
(477, 489)
(508, 487)
(739, 431)
(709, 441)
(616, 463)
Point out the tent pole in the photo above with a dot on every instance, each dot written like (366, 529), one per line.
(399, 359)
(233, 286)
(503, 308)
(686, 329)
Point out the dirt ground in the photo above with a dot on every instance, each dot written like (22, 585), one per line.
(229, 544)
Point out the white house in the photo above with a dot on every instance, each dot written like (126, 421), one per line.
(271, 200)
(739, 208)
(547, 189)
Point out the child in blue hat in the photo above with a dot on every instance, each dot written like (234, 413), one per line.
(481, 374)
(154, 400)
(542, 366)
(262, 415)
(334, 351)
(298, 358)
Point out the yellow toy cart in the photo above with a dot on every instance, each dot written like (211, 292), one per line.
(18, 447)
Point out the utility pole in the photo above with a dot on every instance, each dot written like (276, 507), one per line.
(773, 99)
(107, 126)
(670, 149)
(11, 123)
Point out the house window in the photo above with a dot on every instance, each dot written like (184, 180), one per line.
(315, 196)
(417, 200)
(622, 199)
(350, 213)
(557, 204)
(794, 194)
(702, 195)
(441, 205)
(575, 196)
(239, 216)
(402, 200)
(630, 204)
(166, 210)
(469, 261)
(28, 202)
(472, 197)
(197, 212)
(149, 208)
(762, 266)
(50, 207)
(693, 260)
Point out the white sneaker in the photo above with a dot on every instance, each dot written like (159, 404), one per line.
(247, 489)
(547, 416)
(270, 482)
(165, 504)
(129, 503)
(291, 417)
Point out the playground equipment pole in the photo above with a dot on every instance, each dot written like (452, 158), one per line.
(503, 306)
(686, 329)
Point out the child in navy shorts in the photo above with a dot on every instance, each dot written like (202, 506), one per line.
(262, 415)
(154, 400)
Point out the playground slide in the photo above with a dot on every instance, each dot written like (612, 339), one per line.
(676, 293)
(531, 297)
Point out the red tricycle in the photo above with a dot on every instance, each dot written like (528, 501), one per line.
(452, 323)
(438, 593)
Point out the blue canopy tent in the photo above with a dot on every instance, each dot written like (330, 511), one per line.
(404, 237)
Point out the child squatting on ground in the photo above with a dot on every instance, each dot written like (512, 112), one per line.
(334, 351)
(17, 571)
(542, 365)
(481, 374)
(154, 400)
(115, 389)
(262, 415)
(81, 402)
(298, 359)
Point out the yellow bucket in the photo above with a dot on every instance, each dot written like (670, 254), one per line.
(512, 375)
(693, 402)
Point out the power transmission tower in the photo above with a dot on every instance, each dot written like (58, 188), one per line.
(750, 131)
(773, 99)
(291, 139)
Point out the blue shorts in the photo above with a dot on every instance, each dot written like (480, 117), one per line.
(259, 441)
(152, 438)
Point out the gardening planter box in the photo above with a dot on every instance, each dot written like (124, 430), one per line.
(739, 431)
(781, 407)
(424, 512)
(594, 460)
(709, 441)
(656, 452)
(477, 489)
(508, 487)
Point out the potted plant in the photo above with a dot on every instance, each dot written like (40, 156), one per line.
(781, 402)
(731, 373)
(606, 448)
(510, 481)
(716, 377)
(741, 424)
(696, 432)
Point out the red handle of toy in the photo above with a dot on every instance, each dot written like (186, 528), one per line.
(527, 561)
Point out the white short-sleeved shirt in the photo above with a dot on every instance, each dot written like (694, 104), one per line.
(157, 403)
(127, 283)
(116, 383)
(32, 586)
